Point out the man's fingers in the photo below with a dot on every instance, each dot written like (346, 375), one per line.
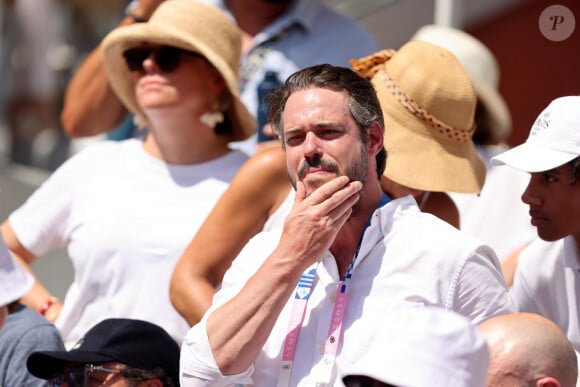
(300, 192)
(334, 197)
(329, 203)
(336, 190)
(335, 203)
(345, 206)
(315, 220)
(329, 188)
(343, 197)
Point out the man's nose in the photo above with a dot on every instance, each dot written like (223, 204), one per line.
(311, 146)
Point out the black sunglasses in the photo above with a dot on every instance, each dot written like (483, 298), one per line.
(167, 58)
(82, 376)
(74, 378)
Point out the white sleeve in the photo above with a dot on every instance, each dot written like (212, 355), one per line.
(479, 290)
(523, 289)
(41, 223)
(197, 364)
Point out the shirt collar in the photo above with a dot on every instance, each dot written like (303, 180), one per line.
(571, 253)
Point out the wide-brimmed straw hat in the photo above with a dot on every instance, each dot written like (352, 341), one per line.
(481, 64)
(428, 102)
(189, 25)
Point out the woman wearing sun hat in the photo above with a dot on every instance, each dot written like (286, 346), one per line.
(131, 207)
(428, 101)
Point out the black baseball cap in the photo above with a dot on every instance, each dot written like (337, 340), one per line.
(137, 343)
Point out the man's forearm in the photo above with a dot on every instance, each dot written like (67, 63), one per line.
(239, 329)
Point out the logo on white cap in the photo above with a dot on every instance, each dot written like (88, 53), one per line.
(553, 141)
(543, 122)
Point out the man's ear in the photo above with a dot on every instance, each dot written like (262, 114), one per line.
(547, 381)
(375, 136)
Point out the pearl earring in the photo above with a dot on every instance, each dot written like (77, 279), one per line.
(211, 119)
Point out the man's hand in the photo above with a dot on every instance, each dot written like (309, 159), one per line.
(314, 221)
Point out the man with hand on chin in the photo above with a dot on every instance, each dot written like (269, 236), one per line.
(288, 301)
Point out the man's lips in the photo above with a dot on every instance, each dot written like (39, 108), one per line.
(537, 219)
(316, 171)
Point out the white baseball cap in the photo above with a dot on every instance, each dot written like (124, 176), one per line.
(415, 347)
(15, 282)
(554, 139)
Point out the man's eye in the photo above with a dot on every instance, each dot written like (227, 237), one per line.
(549, 178)
(294, 140)
(328, 133)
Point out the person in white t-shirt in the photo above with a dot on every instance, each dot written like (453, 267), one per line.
(126, 210)
(548, 274)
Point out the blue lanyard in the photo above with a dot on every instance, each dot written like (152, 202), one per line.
(348, 275)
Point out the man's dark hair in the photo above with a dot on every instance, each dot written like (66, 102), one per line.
(363, 103)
